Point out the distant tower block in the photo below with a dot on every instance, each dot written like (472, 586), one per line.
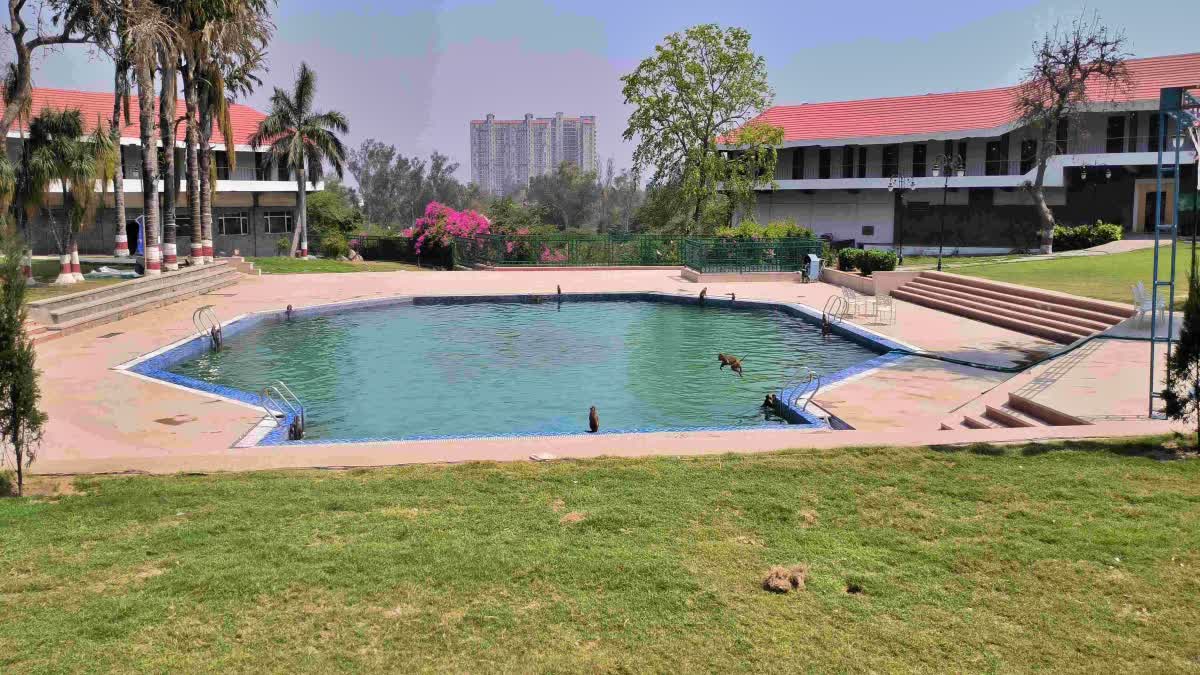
(506, 154)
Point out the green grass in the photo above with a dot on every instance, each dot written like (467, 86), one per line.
(928, 262)
(1106, 277)
(1016, 558)
(46, 271)
(283, 265)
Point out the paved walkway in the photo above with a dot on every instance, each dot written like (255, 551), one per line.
(102, 420)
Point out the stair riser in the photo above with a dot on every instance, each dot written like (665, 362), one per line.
(70, 314)
(1117, 311)
(1002, 321)
(1049, 416)
(144, 283)
(989, 309)
(1067, 311)
(1004, 419)
(1012, 303)
(54, 333)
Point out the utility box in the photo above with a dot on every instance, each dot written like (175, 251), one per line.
(812, 269)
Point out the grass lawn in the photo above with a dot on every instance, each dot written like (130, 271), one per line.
(283, 265)
(1107, 277)
(46, 271)
(1016, 558)
(929, 262)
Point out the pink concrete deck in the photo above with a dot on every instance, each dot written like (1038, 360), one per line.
(103, 420)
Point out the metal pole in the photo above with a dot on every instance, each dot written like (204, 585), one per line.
(1154, 284)
(942, 229)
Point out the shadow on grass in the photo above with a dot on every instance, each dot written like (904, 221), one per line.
(1161, 448)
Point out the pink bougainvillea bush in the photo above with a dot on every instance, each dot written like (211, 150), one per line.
(440, 224)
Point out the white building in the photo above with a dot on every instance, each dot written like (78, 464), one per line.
(838, 160)
(506, 154)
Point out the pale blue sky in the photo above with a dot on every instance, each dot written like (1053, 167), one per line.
(414, 73)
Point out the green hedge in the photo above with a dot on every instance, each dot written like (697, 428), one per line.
(877, 260)
(848, 259)
(1085, 236)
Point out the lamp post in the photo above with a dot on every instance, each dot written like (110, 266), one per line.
(944, 165)
(900, 184)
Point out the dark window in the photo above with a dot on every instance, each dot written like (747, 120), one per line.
(1061, 135)
(824, 159)
(919, 154)
(847, 162)
(1028, 155)
(183, 224)
(1114, 134)
(891, 160)
(1152, 146)
(278, 222)
(222, 160)
(233, 223)
(862, 162)
(948, 149)
(996, 159)
(282, 172)
(798, 164)
(962, 156)
(1133, 132)
(868, 230)
(262, 166)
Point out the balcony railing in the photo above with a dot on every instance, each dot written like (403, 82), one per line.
(250, 173)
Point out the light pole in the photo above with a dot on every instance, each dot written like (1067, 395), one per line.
(900, 184)
(944, 165)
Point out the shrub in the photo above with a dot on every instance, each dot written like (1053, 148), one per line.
(849, 259)
(778, 229)
(8, 483)
(283, 245)
(877, 260)
(436, 229)
(334, 244)
(1085, 236)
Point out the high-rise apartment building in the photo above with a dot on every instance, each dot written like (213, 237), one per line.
(506, 154)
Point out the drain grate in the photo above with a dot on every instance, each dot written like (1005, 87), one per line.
(111, 335)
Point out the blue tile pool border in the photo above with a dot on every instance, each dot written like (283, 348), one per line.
(156, 365)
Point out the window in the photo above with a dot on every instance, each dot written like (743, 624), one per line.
(962, 155)
(262, 166)
(996, 157)
(222, 160)
(282, 172)
(824, 158)
(1114, 134)
(862, 162)
(1028, 155)
(279, 222)
(891, 160)
(847, 162)
(1061, 134)
(233, 223)
(1152, 146)
(183, 223)
(1131, 136)
(798, 164)
(868, 230)
(919, 154)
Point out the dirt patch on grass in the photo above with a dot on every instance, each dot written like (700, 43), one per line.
(558, 505)
(50, 486)
(572, 518)
(785, 579)
(808, 519)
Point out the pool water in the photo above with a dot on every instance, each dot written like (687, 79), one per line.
(489, 368)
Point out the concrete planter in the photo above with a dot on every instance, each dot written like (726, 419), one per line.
(851, 280)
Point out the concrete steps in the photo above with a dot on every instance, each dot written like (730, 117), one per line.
(244, 266)
(1015, 412)
(1053, 316)
(66, 314)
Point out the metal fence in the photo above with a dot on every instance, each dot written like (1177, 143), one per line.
(568, 251)
(764, 255)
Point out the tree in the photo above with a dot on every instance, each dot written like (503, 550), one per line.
(620, 197)
(59, 154)
(508, 216)
(1181, 397)
(699, 87)
(68, 22)
(334, 210)
(1070, 65)
(303, 140)
(569, 196)
(21, 422)
(395, 189)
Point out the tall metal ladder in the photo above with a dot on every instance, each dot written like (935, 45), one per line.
(836, 308)
(1174, 103)
(206, 322)
(799, 388)
(279, 402)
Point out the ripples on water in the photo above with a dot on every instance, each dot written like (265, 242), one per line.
(492, 368)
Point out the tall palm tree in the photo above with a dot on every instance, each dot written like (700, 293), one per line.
(58, 154)
(302, 140)
(21, 189)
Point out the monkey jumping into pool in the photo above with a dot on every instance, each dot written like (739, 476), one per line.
(734, 363)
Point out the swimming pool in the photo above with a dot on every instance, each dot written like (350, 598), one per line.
(481, 367)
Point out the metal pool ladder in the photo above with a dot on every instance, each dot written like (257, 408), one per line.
(805, 388)
(836, 308)
(206, 322)
(280, 402)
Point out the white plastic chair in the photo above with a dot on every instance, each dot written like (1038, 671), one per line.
(885, 309)
(855, 303)
(1144, 303)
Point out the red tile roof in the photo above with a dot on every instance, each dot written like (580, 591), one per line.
(960, 111)
(245, 119)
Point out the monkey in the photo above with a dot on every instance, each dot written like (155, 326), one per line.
(732, 298)
(288, 312)
(214, 334)
(826, 327)
(734, 363)
(560, 291)
(593, 420)
(771, 401)
(703, 294)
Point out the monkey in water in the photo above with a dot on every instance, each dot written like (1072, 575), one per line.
(288, 313)
(559, 291)
(593, 420)
(771, 401)
(734, 363)
(703, 294)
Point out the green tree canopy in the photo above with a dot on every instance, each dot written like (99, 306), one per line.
(694, 104)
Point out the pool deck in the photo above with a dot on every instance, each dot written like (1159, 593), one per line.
(103, 420)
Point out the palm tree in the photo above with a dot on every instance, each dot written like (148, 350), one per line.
(21, 189)
(58, 154)
(303, 141)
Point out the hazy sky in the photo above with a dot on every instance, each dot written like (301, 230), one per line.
(414, 73)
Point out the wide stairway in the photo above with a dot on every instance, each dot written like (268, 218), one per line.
(65, 314)
(1014, 413)
(1053, 316)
